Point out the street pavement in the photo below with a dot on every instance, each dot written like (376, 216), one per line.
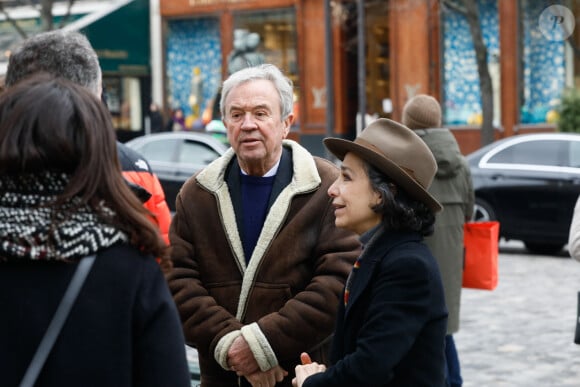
(521, 333)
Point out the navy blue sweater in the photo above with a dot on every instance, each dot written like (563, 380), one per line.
(255, 196)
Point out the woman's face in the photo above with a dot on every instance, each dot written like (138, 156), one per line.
(353, 197)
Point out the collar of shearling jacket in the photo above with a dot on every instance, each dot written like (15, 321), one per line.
(305, 175)
(305, 179)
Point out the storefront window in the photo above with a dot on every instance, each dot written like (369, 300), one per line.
(123, 97)
(276, 30)
(194, 67)
(194, 57)
(462, 101)
(542, 66)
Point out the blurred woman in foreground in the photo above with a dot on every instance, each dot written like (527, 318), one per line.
(62, 198)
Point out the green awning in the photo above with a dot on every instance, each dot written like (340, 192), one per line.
(121, 38)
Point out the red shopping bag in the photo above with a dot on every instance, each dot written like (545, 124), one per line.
(481, 241)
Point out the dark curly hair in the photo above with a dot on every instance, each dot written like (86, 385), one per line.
(400, 211)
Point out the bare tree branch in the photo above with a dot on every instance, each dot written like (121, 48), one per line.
(46, 14)
(574, 46)
(469, 9)
(67, 15)
(453, 6)
(13, 22)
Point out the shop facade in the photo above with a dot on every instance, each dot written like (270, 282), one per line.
(118, 31)
(121, 40)
(410, 47)
(202, 38)
(530, 66)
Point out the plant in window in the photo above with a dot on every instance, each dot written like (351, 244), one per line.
(569, 111)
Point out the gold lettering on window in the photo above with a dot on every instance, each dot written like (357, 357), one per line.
(113, 54)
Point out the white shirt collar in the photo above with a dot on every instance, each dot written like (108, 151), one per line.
(271, 172)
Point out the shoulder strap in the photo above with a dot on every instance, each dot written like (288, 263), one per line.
(60, 316)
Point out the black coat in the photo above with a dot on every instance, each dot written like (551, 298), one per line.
(123, 329)
(392, 331)
(156, 118)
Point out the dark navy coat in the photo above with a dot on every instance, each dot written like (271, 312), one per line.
(122, 331)
(392, 331)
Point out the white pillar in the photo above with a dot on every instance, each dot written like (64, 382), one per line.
(156, 53)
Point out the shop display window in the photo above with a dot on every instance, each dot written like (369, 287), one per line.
(272, 37)
(277, 32)
(542, 64)
(123, 98)
(461, 92)
(194, 68)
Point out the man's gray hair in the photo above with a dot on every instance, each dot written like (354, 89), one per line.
(268, 72)
(62, 54)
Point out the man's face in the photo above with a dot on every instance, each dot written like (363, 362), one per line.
(255, 126)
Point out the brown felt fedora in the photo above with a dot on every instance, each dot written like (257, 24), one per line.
(396, 151)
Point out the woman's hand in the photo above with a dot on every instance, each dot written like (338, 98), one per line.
(305, 370)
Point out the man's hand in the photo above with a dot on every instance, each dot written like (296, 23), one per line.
(267, 378)
(241, 359)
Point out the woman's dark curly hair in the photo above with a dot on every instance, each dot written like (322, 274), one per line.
(400, 211)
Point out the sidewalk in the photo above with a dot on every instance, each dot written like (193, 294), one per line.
(521, 334)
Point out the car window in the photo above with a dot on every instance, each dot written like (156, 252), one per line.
(544, 152)
(159, 150)
(194, 152)
(575, 154)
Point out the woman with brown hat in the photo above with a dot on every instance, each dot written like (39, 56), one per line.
(391, 325)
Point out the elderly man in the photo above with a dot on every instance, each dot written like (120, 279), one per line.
(258, 264)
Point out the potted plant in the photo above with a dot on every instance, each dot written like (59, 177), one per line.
(567, 116)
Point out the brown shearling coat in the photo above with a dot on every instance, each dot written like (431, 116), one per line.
(285, 301)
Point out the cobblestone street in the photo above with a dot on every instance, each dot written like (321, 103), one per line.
(521, 334)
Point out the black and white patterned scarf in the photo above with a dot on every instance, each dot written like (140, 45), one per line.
(32, 229)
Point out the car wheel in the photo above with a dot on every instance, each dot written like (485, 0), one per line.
(482, 211)
(543, 248)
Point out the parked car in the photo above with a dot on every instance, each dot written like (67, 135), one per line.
(193, 363)
(529, 183)
(175, 156)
